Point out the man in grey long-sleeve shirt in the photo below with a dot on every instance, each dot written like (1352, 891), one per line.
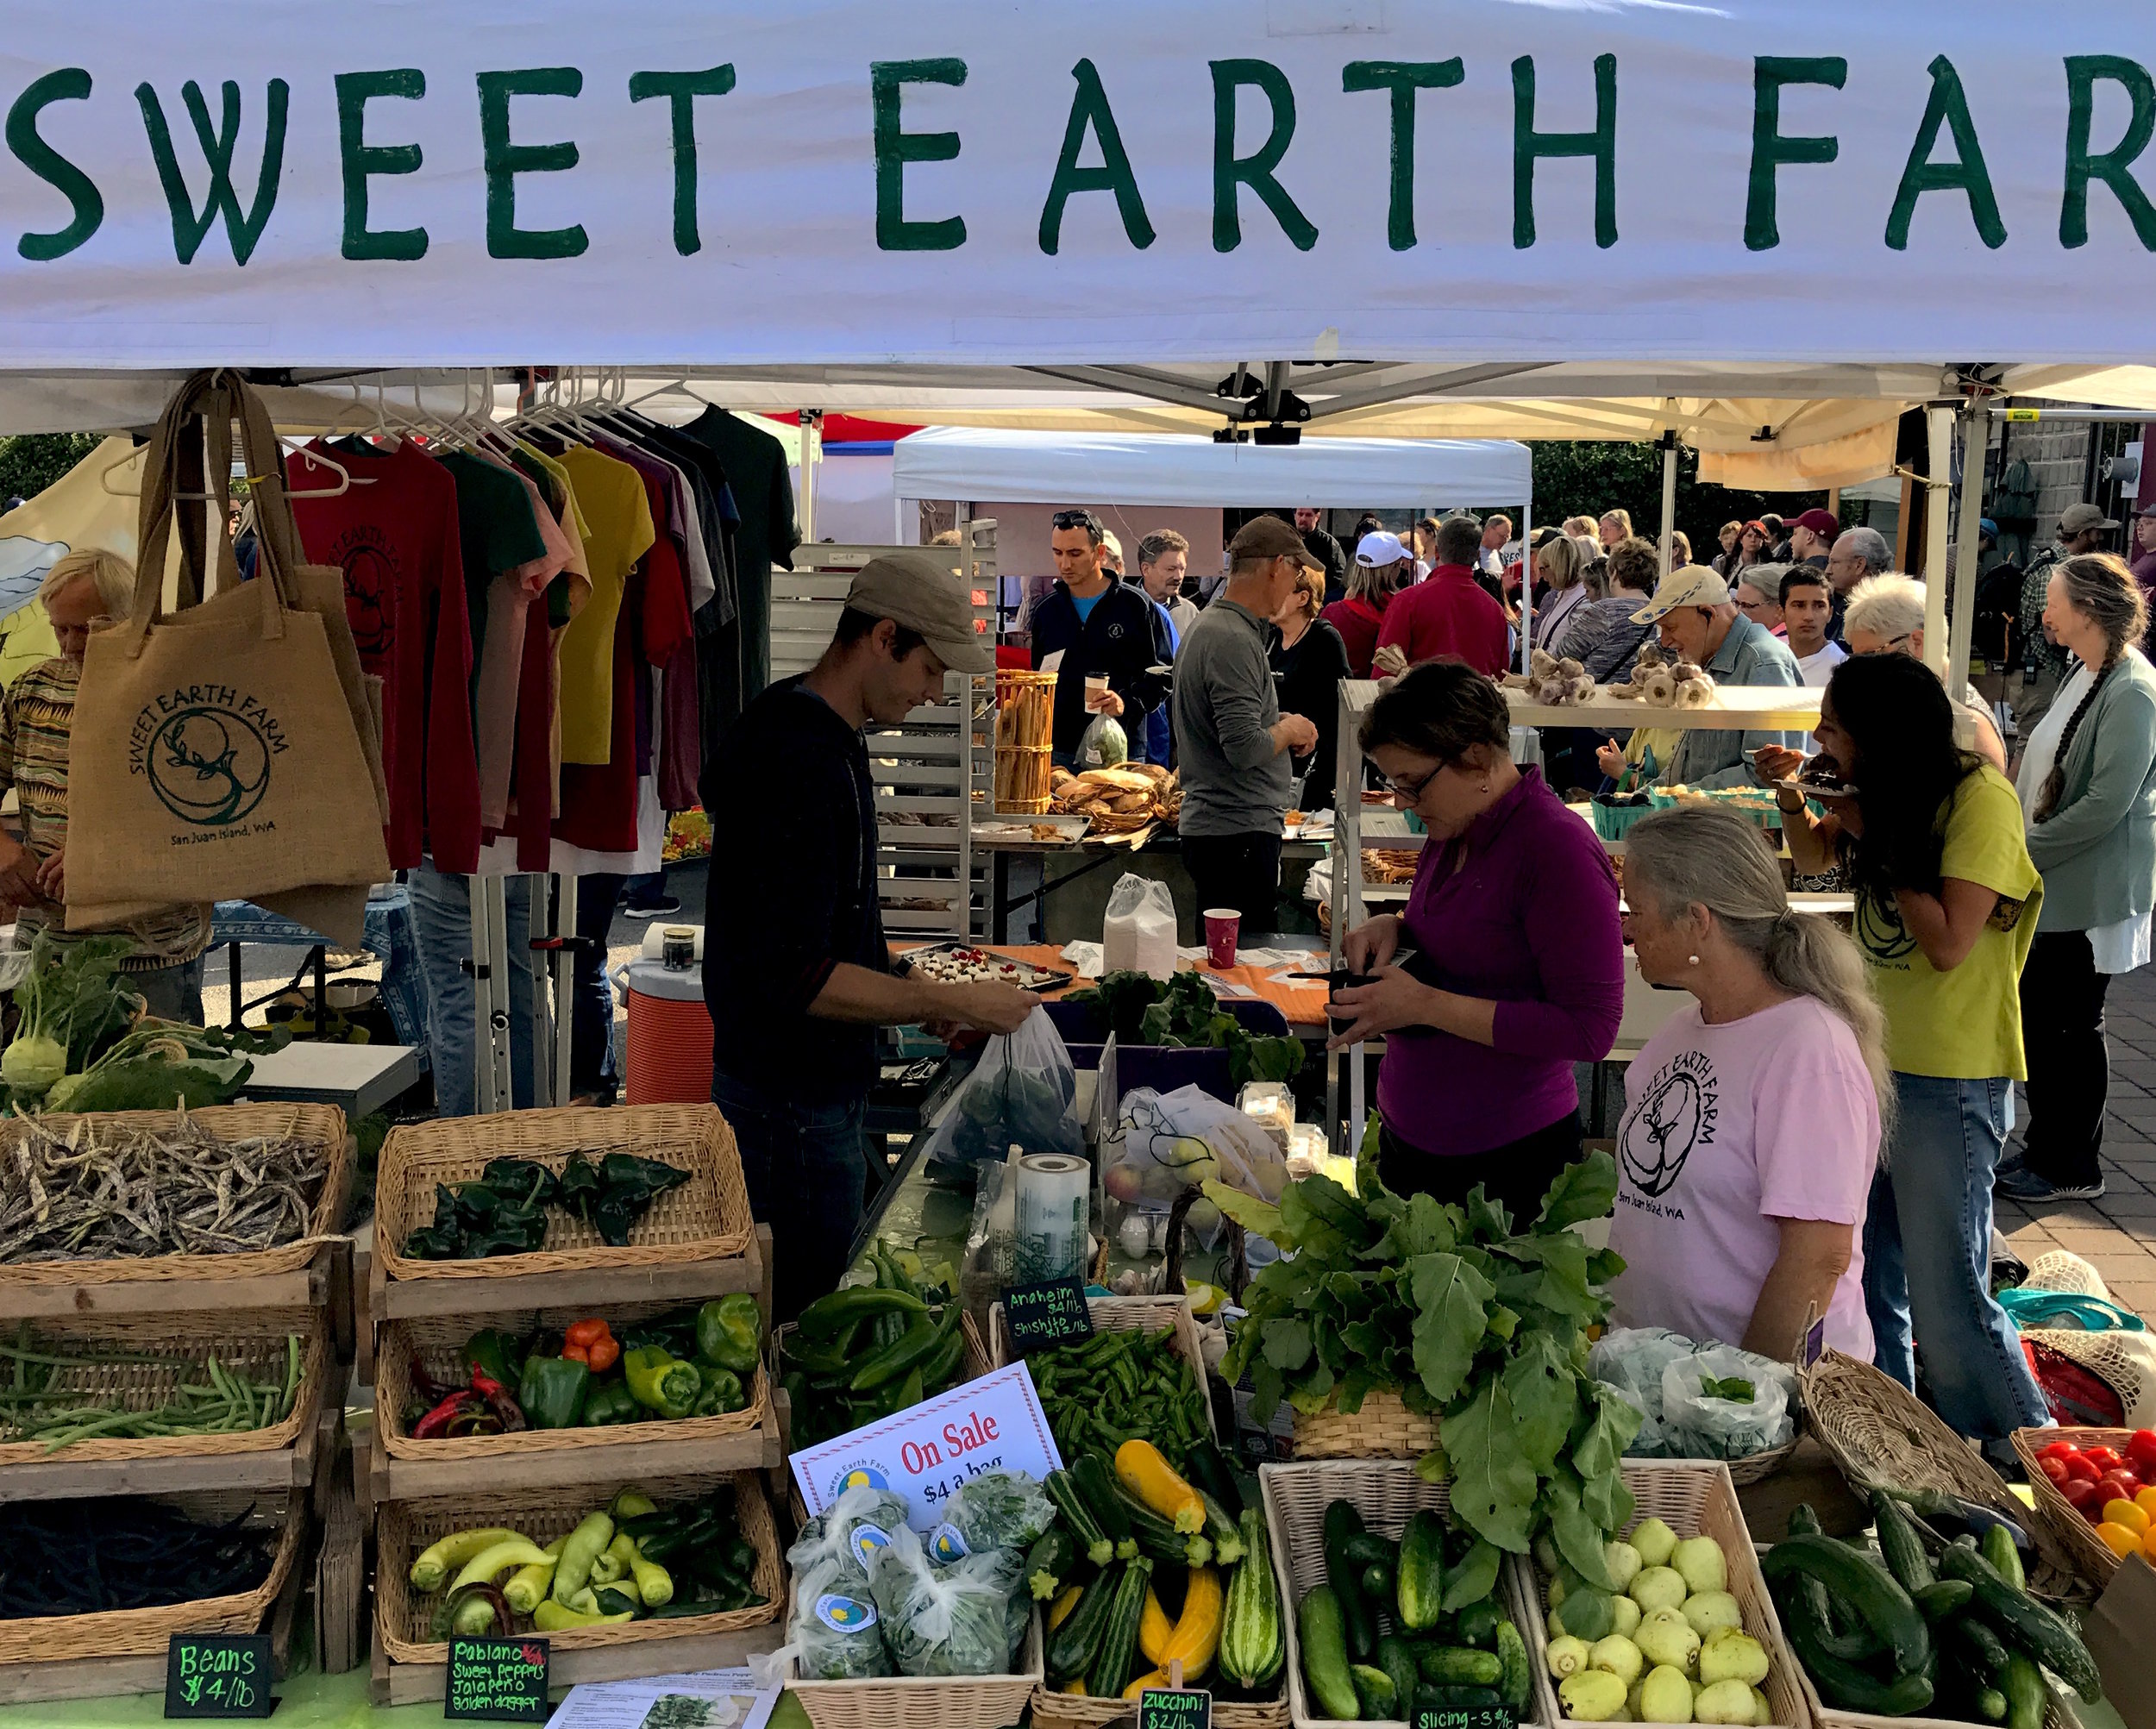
(1700, 622)
(1231, 739)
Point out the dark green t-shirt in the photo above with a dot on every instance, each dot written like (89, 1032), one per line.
(497, 530)
(755, 468)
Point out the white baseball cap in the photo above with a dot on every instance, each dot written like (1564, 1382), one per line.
(1378, 549)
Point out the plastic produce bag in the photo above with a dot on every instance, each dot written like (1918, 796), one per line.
(835, 1633)
(853, 1527)
(1022, 1093)
(1103, 744)
(1139, 934)
(1631, 1359)
(1719, 1422)
(948, 1620)
(1165, 1143)
(995, 1510)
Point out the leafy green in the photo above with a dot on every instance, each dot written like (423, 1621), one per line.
(1483, 1329)
(1736, 1389)
(1183, 1013)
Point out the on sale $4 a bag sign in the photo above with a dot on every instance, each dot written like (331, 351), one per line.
(995, 1424)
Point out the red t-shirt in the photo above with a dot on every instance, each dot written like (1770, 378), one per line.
(1447, 613)
(394, 535)
(1357, 621)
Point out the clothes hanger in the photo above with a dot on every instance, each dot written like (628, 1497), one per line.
(345, 480)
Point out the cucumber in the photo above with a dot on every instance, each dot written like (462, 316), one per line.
(2021, 1620)
(1377, 1583)
(1397, 1658)
(1345, 1574)
(1457, 1698)
(1981, 1650)
(1072, 1646)
(2006, 1560)
(1477, 1623)
(1947, 1597)
(1809, 1601)
(2024, 1689)
(1207, 1470)
(1905, 1557)
(1511, 1656)
(1419, 1579)
(1369, 1548)
(1866, 1587)
(1111, 1668)
(1375, 1697)
(1096, 1482)
(1079, 1518)
(1991, 1704)
(1321, 1630)
(1460, 1666)
(1847, 1688)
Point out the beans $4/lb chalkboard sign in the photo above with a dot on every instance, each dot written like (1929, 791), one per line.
(1464, 1717)
(502, 1679)
(218, 1675)
(1051, 1313)
(1174, 1707)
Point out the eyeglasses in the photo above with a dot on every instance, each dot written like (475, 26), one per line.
(1412, 790)
(1891, 643)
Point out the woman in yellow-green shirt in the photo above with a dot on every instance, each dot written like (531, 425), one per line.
(1932, 843)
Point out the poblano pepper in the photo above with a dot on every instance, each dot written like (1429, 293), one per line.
(496, 1354)
(661, 1381)
(552, 1391)
(730, 1332)
(609, 1403)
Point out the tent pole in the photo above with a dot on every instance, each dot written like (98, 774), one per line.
(812, 449)
(1974, 436)
(1939, 424)
(1668, 495)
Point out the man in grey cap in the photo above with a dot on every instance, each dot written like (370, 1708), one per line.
(1700, 624)
(796, 971)
(2081, 528)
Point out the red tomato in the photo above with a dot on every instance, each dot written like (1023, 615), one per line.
(2080, 1493)
(2083, 1470)
(2063, 1450)
(2104, 1458)
(2118, 1486)
(2055, 1470)
(2141, 1450)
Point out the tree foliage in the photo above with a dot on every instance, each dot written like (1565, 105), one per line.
(1586, 479)
(30, 462)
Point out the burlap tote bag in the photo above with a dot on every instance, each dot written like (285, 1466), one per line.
(217, 753)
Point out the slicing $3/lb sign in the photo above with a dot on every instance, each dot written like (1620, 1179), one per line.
(1464, 1717)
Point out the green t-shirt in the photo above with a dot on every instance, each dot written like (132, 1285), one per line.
(1965, 1024)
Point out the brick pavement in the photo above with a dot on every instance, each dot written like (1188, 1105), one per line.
(2117, 1234)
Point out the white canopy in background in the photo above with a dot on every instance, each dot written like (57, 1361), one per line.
(965, 463)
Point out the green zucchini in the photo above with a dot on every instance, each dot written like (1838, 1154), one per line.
(1158, 1539)
(1206, 1469)
(1944, 1598)
(1096, 1482)
(1253, 1647)
(1072, 1646)
(2022, 1620)
(1397, 1658)
(1898, 1544)
(1865, 1586)
(1375, 1697)
(1321, 1630)
(1220, 1530)
(2006, 1560)
(1477, 1624)
(1345, 1574)
(1419, 1579)
(1511, 1656)
(1460, 1666)
(2025, 1695)
(1111, 1668)
(1052, 1560)
(1079, 1517)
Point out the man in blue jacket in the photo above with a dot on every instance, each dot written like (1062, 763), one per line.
(1100, 626)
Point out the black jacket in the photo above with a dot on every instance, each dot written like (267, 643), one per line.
(1122, 636)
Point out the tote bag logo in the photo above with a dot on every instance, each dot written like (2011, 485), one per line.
(207, 751)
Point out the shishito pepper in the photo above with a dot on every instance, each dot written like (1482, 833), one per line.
(730, 1332)
(609, 1403)
(661, 1382)
(552, 1391)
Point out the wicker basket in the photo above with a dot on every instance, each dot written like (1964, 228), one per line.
(1695, 1500)
(2090, 1556)
(1756, 1467)
(705, 1219)
(402, 1529)
(903, 1701)
(319, 1124)
(1383, 1429)
(1877, 1432)
(148, 1633)
(1126, 1314)
(438, 1345)
(1026, 729)
(255, 1343)
(1385, 1492)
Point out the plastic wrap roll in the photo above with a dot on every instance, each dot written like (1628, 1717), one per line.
(1052, 1204)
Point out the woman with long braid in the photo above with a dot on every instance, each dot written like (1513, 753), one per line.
(2088, 786)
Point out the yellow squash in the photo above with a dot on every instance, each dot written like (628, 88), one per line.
(1149, 1477)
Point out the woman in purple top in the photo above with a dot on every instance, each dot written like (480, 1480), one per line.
(1521, 969)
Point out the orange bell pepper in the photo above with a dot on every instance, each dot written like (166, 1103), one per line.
(593, 1343)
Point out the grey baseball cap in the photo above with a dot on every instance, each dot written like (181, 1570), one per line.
(2078, 519)
(917, 590)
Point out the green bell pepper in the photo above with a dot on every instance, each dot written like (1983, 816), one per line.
(721, 1392)
(552, 1390)
(493, 1352)
(730, 1332)
(609, 1403)
(661, 1381)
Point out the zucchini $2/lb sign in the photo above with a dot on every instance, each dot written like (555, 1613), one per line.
(995, 1424)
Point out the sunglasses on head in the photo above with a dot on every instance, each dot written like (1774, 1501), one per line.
(1072, 519)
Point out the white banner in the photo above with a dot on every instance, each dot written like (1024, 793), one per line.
(662, 182)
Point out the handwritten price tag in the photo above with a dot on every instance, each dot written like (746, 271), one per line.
(1049, 1314)
(218, 1675)
(1466, 1717)
(504, 1679)
(1178, 1707)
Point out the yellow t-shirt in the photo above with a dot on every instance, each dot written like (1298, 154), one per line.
(610, 494)
(1965, 1024)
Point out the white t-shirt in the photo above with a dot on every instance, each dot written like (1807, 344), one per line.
(1818, 669)
(1726, 1130)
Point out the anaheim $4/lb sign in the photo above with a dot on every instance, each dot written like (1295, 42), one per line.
(716, 181)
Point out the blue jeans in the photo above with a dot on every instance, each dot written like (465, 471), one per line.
(442, 917)
(806, 1171)
(1937, 1176)
(592, 1070)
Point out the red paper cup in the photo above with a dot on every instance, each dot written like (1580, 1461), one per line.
(1223, 924)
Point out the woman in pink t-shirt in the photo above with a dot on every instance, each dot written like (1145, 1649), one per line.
(1752, 1123)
